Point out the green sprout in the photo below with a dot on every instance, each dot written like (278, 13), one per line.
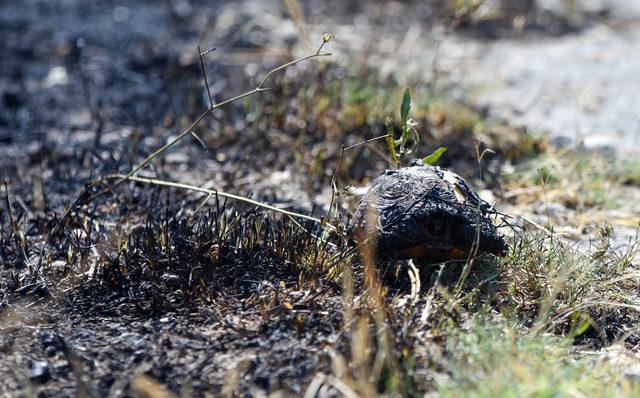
(407, 145)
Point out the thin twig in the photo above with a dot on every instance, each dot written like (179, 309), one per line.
(295, 61)
(202, 144)
(354, 146)
(204, 73)
(170, 143)
(193, 125)
(208, 51)
(239, 198)
(334, 188)
(558, 238)
(204, 202)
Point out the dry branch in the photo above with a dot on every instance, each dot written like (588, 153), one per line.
(213, 192)
(259, 88)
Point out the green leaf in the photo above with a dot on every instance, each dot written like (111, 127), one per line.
(405, 107)
(433, 158)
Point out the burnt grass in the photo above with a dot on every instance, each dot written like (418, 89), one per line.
(183, 299)
(136, 282)
(207, 300)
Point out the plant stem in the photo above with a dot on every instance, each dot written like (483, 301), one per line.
(179, 185)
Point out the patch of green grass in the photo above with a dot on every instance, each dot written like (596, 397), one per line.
(553, 287)
(521, 325)
(340, 100)
(496, 360)
(459, 118)
(580, 180)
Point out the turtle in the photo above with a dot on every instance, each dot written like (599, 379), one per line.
(427, 213)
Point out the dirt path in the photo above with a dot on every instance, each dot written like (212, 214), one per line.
(579, 87)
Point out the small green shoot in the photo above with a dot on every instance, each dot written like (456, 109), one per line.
(435, 156)
(407, 145)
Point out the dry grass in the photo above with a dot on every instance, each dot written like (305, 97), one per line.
(575, 192)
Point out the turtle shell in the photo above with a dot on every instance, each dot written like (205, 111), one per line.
(425, 212)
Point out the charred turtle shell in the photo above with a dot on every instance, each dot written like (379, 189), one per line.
(427, 213)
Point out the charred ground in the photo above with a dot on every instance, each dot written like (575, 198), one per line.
(146, 289)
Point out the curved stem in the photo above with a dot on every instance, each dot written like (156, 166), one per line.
(193, 125)
(172, 184)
